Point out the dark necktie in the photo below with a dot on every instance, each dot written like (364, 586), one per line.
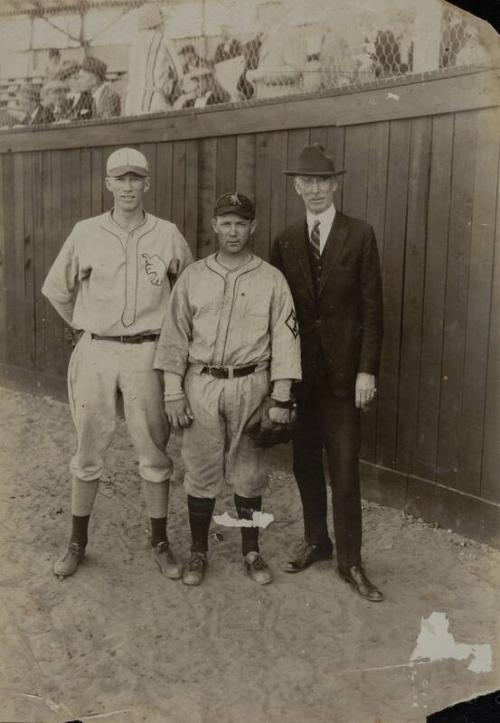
(316, 248)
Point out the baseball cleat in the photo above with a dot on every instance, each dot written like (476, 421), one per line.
(195, 568)
(257, 568)
(164, 557)
(68, 563)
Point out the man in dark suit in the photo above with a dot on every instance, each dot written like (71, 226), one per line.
(29, 102)
(92, 77)
(331, 263)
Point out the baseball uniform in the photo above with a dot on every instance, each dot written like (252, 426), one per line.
(222, 318)
(110, 282)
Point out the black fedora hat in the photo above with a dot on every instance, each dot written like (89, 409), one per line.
(314, 161)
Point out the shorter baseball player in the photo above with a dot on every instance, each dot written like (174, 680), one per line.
(228, 341)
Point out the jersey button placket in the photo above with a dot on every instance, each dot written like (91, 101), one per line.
(129, 311)
(225, 317)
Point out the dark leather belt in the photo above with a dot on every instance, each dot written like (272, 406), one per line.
(134, 339)
(225, 372)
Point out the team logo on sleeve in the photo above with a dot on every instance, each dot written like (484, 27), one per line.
(292, 323)
(155, 268)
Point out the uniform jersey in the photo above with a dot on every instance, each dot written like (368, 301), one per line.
(113, 282)
(224, 317)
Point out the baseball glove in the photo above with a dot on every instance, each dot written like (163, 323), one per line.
(266, 430)
(72, 335)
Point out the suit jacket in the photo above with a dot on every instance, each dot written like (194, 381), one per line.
(343, 323)
(43, 116)
(83, 108)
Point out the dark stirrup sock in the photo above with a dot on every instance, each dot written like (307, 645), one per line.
(79, 529)
(158, 530)
(200, 515)
(245, 507)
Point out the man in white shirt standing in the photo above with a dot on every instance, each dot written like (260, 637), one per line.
(112, 280)
(154, 68)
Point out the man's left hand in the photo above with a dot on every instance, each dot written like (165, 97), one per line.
(365, 390)
(279, 415)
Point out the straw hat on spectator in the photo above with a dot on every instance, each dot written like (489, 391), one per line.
(150, 16)
(67, 69)
(54, 85)
(95, 66)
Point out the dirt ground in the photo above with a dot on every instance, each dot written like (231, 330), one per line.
(120, 643)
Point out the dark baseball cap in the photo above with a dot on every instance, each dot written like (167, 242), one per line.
(236, 203)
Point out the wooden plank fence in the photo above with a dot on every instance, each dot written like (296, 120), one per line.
(423, 170)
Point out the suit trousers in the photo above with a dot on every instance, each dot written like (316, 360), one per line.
(331, 423)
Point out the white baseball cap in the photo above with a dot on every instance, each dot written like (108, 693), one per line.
(127, 160)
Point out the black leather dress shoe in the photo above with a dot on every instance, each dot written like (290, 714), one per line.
(356, 577)
(307, 556)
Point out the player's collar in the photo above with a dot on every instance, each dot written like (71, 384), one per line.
(212, 263)
(106, 221)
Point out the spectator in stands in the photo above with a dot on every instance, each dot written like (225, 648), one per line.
(11, 115)
(190, 59)
(81, 105)
(53, 64)
(92, 77)
(251, 53)
(54, 95)
(229, 48)
(229, 63)
(155, 69)
(188, 86)
(364, 62)
(29, 102)
(283, 54)
(207, 90)
(312, 75)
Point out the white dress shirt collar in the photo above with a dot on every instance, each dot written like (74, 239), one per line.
(326, 219)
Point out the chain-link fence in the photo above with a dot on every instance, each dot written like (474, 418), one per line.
(119, 57)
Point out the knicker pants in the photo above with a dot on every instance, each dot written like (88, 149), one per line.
(98, 371)
(216, 446)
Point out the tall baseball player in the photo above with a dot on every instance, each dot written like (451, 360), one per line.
(112, 280)
(229, 349)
